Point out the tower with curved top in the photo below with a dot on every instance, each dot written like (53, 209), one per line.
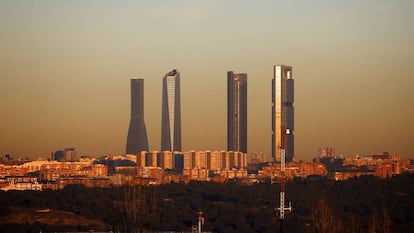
(171, 112)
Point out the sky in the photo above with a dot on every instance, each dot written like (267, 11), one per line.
(65, 70)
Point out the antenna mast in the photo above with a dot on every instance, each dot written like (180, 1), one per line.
(282, 208)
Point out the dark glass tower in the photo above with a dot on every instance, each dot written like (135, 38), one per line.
(137, 134)
(171, 112)
(236, 112)
(282, 112)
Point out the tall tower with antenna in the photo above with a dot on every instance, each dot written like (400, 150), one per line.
(282, 112)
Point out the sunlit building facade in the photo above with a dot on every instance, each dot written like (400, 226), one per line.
(152, 159)
(141, 159)
(236, 112)
(215, 160)
(171, 112)
(282, 112)
(200, 159)
(137, 140)
(166, 159)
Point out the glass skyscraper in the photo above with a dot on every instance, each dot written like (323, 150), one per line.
(282, 112)
(137, 134)
(236, 112)
(171, 112)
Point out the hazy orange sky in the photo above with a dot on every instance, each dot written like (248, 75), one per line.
(65, 68)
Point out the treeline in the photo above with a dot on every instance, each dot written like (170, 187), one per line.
(364, 204)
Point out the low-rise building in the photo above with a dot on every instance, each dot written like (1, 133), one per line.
(53, 171)
(199, 174)
(21, 184)
(293, 169)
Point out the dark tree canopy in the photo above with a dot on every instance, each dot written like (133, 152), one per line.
(355, 205)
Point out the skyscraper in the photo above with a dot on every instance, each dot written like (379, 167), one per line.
(137, 134)
(236, 112)
(171, 112)
(282, 112)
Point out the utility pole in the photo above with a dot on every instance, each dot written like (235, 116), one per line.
(282, 208)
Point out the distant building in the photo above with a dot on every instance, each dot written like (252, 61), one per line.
(200, 174)
(215, 161)
(257, 157)
(332, 164)
(152, 159)
(384, 155)
(66, 155)
(171, 112)
(137, 133)
(22, 184)
(178, 161)
(141, 159)
(294, 169)
(90, 182)
(282, 112)
(188, 159)
(326, 152)
(126, 170)
(13, 170)
(382, 165)
(54, 170)
(232, 174)
(200, 159)
(166, 159)
(156, 174)
(211, 160)
(236, 112)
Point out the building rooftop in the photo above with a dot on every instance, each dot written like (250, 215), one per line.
(172, 72)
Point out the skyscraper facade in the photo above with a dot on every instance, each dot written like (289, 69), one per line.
(171, 112)
(236, 112)
(282, 112)
(137, 133)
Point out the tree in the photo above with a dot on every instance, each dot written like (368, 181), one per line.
(323, 219)
(380, 222)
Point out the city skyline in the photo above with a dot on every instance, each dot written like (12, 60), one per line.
(64, 68)
(236, 112)
(137, 139)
